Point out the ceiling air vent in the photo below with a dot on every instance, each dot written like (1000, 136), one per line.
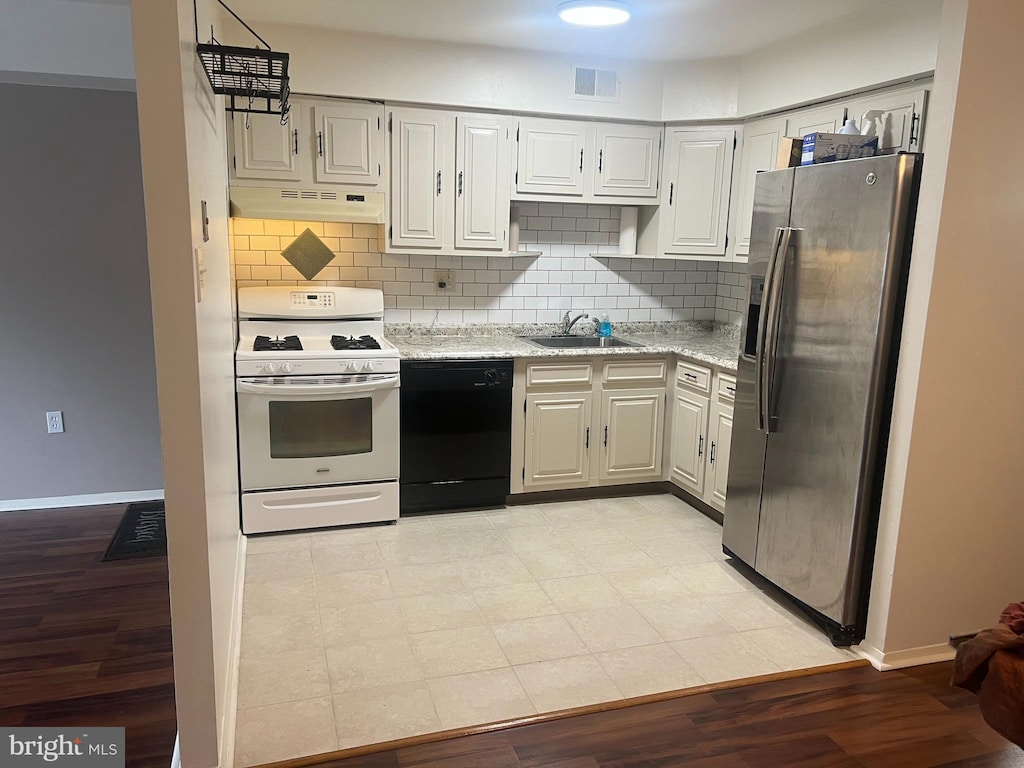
(328, 195)
(595, 84)
(289, 194)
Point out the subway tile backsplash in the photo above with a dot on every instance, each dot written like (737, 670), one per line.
(578, 270)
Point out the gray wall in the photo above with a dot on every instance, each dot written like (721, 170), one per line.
(76, 330)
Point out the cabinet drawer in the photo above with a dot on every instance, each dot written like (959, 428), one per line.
(726, 387)
(636, 371)
(558, 374)
(694, 376)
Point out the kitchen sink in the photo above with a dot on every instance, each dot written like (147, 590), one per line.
(578, 342)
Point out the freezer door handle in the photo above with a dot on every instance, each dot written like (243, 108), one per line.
(772, 332)
(762, 330)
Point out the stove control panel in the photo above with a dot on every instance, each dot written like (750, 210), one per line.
(319, 300)
(314, 367)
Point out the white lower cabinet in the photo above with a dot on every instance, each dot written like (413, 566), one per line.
(632, 435)
(557, 439)
(592, 423)
(689, 428)
(701, 438)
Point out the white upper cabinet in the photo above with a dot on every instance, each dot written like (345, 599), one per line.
(695, 193)
(420, 183)
(483, 165)
(550, 157)
(760, 152)
(266, 149)
(628, 159)
(818, 120)
(900, 124)
(349, 144)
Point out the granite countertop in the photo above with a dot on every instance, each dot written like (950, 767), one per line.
(707, 343)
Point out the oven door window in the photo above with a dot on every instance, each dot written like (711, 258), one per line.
(301, 429)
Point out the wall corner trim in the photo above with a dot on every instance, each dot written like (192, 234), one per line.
(910, 657)
(231, 698)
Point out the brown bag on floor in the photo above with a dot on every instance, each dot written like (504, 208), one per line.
(991, 664)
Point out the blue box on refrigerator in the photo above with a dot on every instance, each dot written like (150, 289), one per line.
(829, 147)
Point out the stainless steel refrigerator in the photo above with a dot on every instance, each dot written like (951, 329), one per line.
(829, 253)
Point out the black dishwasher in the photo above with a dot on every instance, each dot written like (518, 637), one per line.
(456, 434)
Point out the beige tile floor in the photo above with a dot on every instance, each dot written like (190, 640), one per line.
(355, 636)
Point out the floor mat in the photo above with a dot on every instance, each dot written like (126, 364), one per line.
(142, 532)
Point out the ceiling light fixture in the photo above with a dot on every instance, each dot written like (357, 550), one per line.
(594, 13)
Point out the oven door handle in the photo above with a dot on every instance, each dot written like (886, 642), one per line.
(255, 387)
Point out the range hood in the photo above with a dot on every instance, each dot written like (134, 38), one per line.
(307, 205)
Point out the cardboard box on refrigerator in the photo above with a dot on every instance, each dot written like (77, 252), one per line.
(829, 147)
(791, 150)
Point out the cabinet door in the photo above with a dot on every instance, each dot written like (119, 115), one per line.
(720, 434)
(550, 156)
(633, 428)
(418, 178)
(628, 160)
(695, 208)
(268, 150)
(349, 144)
(899, 127)
(482, 167)
(819, 120)
(689, 439)
(760, 152)
(557, 439)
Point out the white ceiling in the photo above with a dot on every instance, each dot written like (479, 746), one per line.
(659, 29)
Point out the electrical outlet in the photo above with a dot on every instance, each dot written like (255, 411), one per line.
(54, 422)
(443, 280)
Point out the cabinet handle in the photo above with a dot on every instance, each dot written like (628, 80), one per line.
(600, 160)
(460, 183)
(295, 141)
(671, 190)
(320, 142)
(581, 161)
(712, 451)
(606, 436)
(439, 182)
(690, 376)
(588, 438)
(700, 447)
(731, 389)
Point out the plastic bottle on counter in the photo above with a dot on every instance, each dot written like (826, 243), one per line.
(604, 325)
(850, 128)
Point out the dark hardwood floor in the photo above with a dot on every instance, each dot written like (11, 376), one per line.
(82, 642)
(855, 718)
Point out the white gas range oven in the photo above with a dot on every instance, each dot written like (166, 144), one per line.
(318, 397)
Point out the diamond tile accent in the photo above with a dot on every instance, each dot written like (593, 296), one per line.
(308, 254)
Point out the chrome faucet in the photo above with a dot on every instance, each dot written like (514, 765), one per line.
(567, 324)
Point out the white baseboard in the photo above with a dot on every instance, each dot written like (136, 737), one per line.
(86, 500)
(911, 657)
(227, 739)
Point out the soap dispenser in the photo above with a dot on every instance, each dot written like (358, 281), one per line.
(604, 326)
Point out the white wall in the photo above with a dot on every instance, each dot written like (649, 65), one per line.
(700, 90)
(852, 54)
(949, 554)
(333, 63)
(183, 160)
(56, 41)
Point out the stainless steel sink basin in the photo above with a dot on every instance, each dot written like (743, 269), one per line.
(578, 342)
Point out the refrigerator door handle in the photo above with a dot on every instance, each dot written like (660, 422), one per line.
(762, 331)
(772, 332)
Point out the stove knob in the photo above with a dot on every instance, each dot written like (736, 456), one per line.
(352, 367)
(287, 367)
(270, 368)
(368, 366)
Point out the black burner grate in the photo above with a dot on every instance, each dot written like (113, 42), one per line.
(351, 342)
(277, 344)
